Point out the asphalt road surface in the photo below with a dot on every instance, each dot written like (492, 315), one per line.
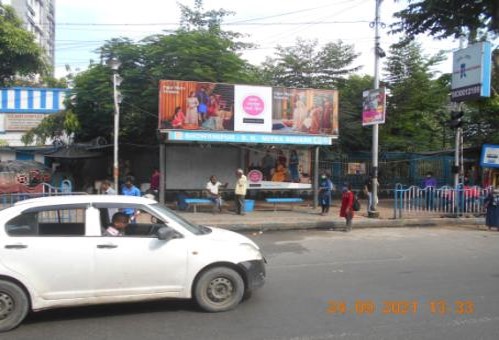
(435, 283)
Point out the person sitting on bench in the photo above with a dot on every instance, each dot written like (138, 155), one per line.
(212, 187)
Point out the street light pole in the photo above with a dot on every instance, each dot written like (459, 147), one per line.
(116, 171)
(375, 141)
(114, 64)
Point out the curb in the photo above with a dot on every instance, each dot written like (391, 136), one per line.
(474, 223)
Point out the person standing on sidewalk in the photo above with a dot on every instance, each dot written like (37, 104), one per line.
(325, 189)
(240, 191)
(429, 184)
(346, 209)
(368, 190)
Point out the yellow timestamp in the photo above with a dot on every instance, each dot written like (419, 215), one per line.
(401, 307)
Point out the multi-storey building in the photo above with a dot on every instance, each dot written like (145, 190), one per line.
(39, 18)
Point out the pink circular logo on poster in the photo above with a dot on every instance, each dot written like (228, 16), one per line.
(253, 105)
(255, 176)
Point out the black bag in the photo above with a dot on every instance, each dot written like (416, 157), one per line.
(356, 203)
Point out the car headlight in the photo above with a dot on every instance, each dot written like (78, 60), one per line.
(253, 250)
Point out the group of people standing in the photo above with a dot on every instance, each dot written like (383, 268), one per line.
(348, 198)
(326, 188)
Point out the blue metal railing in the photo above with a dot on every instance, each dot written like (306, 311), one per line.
(447, 200)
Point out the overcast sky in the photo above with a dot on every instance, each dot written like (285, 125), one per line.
(83, 25)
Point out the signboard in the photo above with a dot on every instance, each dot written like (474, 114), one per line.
(356, 169)
(254, 105)
(373, 106)
(217, 107)
(256, 138)
(471, 72)
(22, 121)
(490, 156)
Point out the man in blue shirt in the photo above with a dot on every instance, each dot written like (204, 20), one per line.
(130, 190)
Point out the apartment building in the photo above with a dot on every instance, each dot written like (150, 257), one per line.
(39, 18)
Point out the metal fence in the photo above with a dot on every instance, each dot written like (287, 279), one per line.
(9, 199)
(441, 201)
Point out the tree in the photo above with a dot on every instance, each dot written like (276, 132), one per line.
(59, 125)
(19, 54)
(198, 51)
(448, 18)
(353, 135)
(416, 102)
(307, 65)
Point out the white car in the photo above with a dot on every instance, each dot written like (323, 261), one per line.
(54, 253)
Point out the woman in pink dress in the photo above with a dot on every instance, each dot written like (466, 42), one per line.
(192, 110)
(178, 118)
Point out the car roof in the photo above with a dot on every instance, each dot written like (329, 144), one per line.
(77, 199)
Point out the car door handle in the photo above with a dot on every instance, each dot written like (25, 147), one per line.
(107, 246)
(16, 246)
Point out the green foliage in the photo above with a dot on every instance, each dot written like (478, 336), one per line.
(448, 18)
(416, 109)
(308, 65)
(353, 136)
(199, 51)
(19, 54)
(53, 126)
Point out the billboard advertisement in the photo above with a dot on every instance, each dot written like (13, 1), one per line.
(373, 106)
(216, 107)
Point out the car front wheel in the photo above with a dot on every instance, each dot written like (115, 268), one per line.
(14, 305)
(219, 289)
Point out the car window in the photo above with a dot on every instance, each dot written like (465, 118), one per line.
(48, 222)
(192, 227)
(130, 221)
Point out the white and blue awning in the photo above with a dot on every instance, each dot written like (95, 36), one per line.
(32, 100)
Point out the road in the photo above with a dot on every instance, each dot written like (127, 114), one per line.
(421, 283)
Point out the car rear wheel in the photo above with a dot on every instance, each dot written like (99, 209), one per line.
(14, 305)
(219, 289)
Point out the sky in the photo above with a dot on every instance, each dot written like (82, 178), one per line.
(82, 26)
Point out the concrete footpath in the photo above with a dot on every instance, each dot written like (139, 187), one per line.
(304, 216)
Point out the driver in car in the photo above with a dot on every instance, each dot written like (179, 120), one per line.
(119, 222)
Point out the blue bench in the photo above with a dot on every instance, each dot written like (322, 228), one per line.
(198, 201)
(287, 200)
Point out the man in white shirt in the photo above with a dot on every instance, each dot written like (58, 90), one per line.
(212, 187)
(240, 191)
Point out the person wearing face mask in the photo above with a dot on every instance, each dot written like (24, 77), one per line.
(326, 187)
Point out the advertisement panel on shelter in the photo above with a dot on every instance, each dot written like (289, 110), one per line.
(373, 106)
(202, 106)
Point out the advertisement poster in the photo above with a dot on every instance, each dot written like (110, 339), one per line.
(307, 111)
(188, 105)
(253, 109)
(373, 106)
(356, 169)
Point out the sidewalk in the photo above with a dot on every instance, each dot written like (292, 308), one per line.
(264, 218)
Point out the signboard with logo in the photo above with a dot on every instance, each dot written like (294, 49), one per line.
(373, 106)
(254, 107)
(22, 121)
(490, 156)
(471, 72)
(214, 109)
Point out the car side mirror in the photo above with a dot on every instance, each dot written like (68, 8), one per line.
(165, 233)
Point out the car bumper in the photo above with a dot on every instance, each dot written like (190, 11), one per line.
(255, 273)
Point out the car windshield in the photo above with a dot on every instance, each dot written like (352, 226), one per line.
(192, 227)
